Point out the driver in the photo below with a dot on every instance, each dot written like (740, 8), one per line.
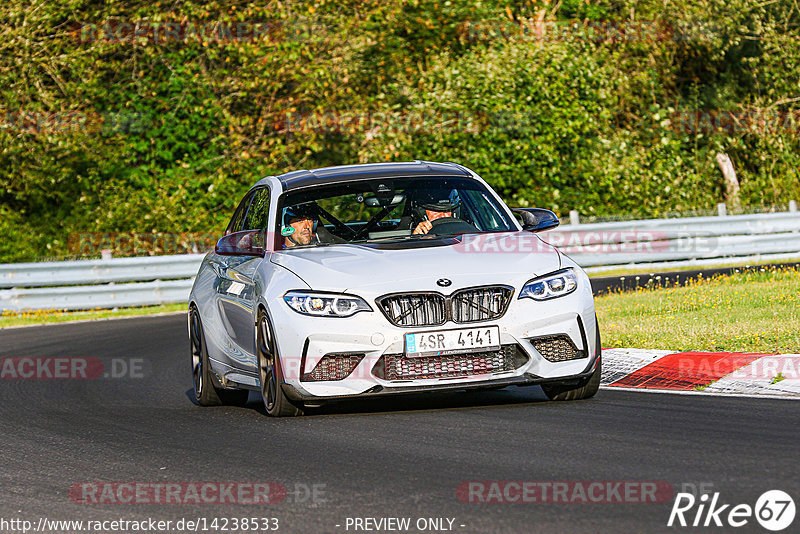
(431, 215)
(435, 204)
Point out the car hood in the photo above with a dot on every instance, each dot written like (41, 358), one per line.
(503, 258)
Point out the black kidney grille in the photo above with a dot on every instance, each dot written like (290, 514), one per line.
(415, 309)
(480, 304)
(433, 309)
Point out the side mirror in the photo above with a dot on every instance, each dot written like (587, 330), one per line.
(246, 243)
(537, 219)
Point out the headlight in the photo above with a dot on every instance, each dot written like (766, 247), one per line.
(550, 286)
(325, 304)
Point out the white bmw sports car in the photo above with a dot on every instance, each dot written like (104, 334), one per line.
(368, 280)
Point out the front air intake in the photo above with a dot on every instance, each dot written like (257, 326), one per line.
(334, 366)
(557, 348)
(402, 367)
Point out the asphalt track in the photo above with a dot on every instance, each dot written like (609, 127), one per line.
(606, 284)
(400, 457)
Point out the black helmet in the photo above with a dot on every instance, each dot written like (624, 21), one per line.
(306, 210)
(438, 199)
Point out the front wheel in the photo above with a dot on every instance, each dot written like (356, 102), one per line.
(560, 392)
(270, 372)
(585, 390)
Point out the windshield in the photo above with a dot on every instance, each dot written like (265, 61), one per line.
(381, 210)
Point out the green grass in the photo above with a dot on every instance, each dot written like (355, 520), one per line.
(752, 311)
(58, 316)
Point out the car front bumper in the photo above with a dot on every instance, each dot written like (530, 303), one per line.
(303, 341)
(380, 391)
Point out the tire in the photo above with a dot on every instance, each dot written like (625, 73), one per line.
(270, 373)
(586, 390)
(205, 393)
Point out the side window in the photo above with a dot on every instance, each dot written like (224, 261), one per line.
(256, 218)
(238, 217)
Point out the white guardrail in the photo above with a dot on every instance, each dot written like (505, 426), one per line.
(679, 242)
(645, 244)
(89, 284)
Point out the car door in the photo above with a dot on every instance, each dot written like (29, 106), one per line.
(240, 298)
(235, 288)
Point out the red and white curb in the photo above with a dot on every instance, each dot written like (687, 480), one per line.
(721, 373)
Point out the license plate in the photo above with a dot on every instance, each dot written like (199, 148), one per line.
(443, 342)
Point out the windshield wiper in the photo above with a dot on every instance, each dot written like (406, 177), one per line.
(315, 245)
(405, 238)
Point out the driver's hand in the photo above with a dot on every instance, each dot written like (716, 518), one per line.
(423, 228)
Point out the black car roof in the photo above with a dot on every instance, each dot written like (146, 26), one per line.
(344, 173)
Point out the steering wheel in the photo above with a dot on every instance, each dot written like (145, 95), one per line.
(450, 225)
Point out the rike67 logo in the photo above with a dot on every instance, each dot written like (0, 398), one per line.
(774, 510)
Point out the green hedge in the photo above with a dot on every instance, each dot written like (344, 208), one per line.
(587, 112)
